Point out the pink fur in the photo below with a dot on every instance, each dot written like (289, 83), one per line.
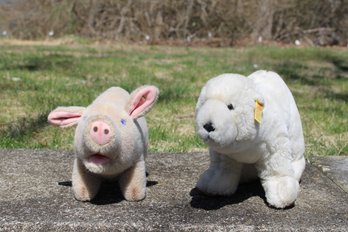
(61, 118)
(110, 141)
(142, 101)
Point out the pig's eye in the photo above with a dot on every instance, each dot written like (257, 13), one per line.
(123, 122)
(230, 107)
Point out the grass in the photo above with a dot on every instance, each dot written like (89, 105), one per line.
(35, 79)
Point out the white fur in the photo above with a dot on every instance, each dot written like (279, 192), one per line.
(274, 147)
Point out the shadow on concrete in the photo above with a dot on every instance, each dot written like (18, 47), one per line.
(109, 192)
(65, 183)
(244, 192)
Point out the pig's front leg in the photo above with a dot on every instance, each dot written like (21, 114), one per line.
(133, 182)
(84, 183)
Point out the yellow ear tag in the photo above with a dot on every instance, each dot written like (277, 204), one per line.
(258, 111)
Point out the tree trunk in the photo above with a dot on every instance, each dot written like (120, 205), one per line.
(263, 25)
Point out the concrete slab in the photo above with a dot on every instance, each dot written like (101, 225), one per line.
(334, 167)
(35, 195)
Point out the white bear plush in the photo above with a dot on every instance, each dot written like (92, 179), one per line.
(110, 141)
(253, 129)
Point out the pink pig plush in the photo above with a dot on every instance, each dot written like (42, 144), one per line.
(110, 141)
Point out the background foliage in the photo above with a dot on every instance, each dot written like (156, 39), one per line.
(216, 22)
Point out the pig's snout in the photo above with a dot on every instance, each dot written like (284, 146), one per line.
(100, 132)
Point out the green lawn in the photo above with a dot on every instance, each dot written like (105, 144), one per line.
(35, 79)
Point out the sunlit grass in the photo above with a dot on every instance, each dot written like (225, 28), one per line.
(35, 79)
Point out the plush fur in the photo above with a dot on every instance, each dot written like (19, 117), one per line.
(110, 141)
(240, 147)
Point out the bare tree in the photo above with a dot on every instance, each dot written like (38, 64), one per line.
(322, 23)
(264, 22)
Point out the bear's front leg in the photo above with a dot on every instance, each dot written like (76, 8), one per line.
(278, 180)
(281, 191)
(133, 182)
(84, 183)
(222, 176)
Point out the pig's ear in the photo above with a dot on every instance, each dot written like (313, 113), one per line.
(141, 101)
(65, 116)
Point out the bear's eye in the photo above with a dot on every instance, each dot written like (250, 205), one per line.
(230, 107)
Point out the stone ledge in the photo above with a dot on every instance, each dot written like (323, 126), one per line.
(334, 167)
(36, 195)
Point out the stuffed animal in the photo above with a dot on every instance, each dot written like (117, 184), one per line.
(110, 141)
(253, 129)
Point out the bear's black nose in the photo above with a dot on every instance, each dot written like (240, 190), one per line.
(209, 127)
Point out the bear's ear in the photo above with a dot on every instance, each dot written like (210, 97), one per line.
(65, 116)
(257, 96)
(260, 100)
(141, 101)
(201, 98)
